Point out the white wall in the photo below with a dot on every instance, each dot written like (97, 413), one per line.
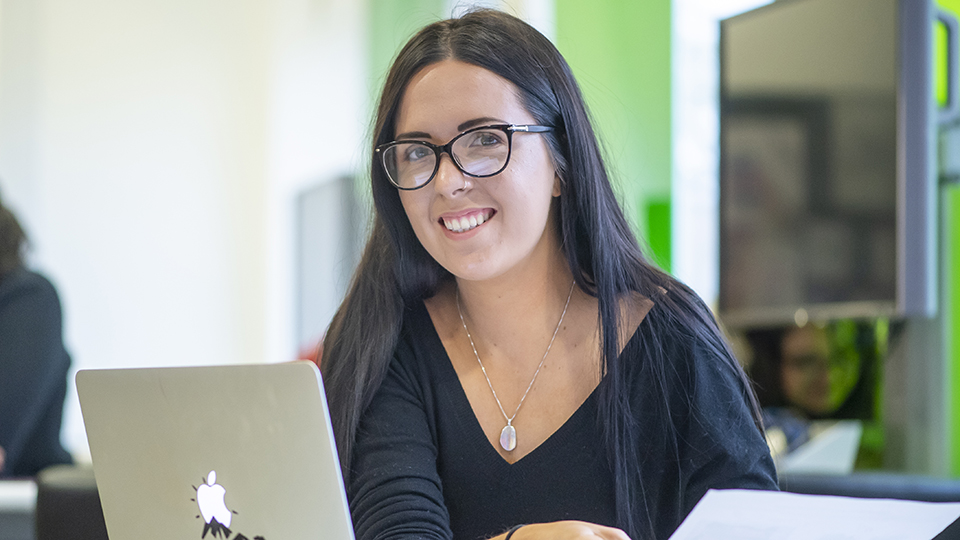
(319, 132)
(153, 149)
(696, 140)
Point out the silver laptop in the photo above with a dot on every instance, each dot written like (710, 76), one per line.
(227, 452)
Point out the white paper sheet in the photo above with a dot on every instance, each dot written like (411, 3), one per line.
(832, 451)
(18, 495)
(739, 514)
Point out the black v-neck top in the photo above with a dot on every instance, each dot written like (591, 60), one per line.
(423, 467)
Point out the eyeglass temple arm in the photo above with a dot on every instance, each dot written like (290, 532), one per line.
(531, 129)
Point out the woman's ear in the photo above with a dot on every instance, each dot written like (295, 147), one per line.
(557, 182)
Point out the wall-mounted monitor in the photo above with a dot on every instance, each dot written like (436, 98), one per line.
(827, 188)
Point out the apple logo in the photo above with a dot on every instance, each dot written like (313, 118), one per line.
(210, 500)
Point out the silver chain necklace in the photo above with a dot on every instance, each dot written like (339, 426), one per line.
(508, 436)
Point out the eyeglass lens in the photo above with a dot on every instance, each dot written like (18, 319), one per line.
(478, 153)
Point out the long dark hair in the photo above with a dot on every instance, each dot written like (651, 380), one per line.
(12, 241)
(596, 240)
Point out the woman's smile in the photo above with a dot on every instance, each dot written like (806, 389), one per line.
(461, 222)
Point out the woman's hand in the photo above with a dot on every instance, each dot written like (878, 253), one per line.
(567, 530)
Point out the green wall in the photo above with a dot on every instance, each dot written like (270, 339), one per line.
(392, 23)
(619, 51)
(951, 266)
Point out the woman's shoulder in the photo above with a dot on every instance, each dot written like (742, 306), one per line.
(29, 301)
(23, 281)
(439, 312)
(683, 333)
(419, 345)
(681, 316)
(634, 309)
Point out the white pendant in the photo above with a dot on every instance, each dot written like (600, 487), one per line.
(508, 438)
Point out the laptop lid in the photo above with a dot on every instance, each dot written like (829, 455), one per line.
(241, 452)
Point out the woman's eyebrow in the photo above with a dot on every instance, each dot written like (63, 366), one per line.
(413, 135)
(462, 127)
(479, 122)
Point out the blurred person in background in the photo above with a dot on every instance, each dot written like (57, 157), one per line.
(813, 372)
(816, 377)
(33, 361)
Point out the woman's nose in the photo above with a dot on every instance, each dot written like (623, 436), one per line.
(450, 179)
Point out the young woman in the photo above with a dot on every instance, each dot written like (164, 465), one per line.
(506, 357)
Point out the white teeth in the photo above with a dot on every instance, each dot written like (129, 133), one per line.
(464, 224)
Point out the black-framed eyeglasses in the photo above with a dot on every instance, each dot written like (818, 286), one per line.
(479, 152)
